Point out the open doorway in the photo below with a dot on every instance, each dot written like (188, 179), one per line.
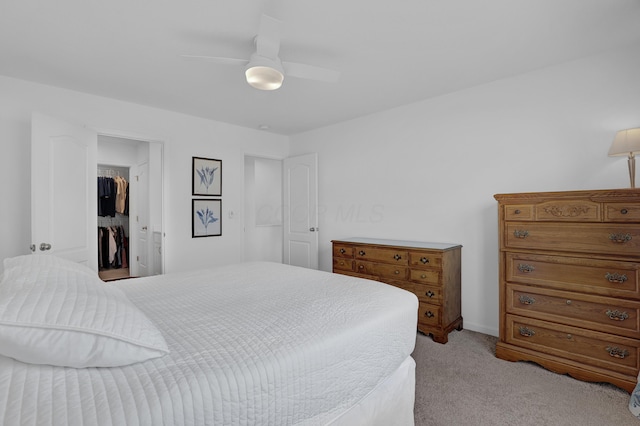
(262, 209)
(129, 233)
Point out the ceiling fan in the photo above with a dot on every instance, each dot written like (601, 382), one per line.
(264, 70)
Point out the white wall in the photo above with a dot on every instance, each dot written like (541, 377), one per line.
(119, 152)
(184, 136)
(428, 171)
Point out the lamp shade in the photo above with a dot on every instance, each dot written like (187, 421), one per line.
(264, 73)
(625, 142)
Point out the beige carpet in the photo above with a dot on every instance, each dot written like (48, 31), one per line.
(113, 274)
(463, 383)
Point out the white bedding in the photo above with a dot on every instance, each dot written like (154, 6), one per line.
(255, 344)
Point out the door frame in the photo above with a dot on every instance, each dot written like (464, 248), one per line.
(147, 139)
(244, 193)
(315, 264)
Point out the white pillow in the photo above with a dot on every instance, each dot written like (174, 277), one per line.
(39, 260)
(57, 316)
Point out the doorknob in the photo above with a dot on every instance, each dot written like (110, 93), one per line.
(312, 229)
(45, 246)
(32, 247)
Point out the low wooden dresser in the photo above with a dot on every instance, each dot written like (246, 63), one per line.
(430, 270)
(569, 286)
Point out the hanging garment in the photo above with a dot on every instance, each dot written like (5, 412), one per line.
(126, 202)
(106, 196)
(112, 246)
(121, 193)
(100, 262)
(125, 250)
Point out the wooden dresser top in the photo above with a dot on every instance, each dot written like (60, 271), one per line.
(398, 243)
(626, 194)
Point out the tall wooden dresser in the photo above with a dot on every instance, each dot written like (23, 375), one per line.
(430, 270)
(569, 285)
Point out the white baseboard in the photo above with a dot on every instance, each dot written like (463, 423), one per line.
(481, 329)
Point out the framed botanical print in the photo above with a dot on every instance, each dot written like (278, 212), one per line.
(206, 176)
(206, 217)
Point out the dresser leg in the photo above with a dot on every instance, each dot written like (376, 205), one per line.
(441, 338)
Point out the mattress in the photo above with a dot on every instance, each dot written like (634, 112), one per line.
(256, 343)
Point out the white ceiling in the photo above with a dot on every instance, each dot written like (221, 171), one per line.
(389, 53)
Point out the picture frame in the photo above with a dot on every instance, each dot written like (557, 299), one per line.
(206, 176)
(206, 217)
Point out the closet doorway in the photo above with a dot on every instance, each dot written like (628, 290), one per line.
(129, 208)
(262, 209)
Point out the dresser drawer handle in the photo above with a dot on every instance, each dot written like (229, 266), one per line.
(517, 211)
(615, 277)
(520, 234)
(361, 253)
(526, 332)
(430, 314)
(397, 257)
(361, 266)
(341, 263)
(342, 251)
(624, 211)
(423, 276)
(525, 269)
(396, 272)
(424, 260)
(617, 315)
(616, 352)
(526, 300)
(430, 293)
(620, 238)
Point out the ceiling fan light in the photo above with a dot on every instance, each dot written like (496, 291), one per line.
(264, 78)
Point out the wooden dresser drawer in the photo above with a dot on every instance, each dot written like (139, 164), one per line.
(604, 277)
(425, 259)
(576, 210)
(429, 314)
(386, 255)
(425, 276)
(382, 270)
(344, 264)
(425, 293)
(518, 212)
(598, 313)
(429, 294)
(620, 239)
(614, 353)
(343, 250)
(622, 212)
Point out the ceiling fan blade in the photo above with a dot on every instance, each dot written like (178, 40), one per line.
(268, 38)
(310, 72)
(217, 60)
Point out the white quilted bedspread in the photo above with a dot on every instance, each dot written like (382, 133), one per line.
(251, 344)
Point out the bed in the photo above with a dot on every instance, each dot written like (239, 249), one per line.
(249, 344)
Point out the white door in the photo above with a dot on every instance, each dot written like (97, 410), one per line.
(64, 217)
(142, 220)
(300, 213)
